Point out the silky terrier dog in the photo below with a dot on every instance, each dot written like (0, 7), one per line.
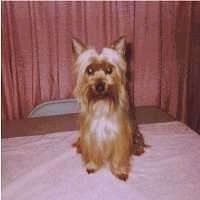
(108, 132)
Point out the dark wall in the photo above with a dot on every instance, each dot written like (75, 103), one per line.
(193, 97)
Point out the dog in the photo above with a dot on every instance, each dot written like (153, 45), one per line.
(108, 132)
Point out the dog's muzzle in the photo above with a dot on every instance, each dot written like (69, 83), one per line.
(100, 87)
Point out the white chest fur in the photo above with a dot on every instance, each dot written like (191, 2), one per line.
(104, 127)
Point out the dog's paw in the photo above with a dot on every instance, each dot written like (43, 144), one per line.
(90, 171)
(121, 172)
(122, 176)
(139, 149)
(139, 145)
(91, 167)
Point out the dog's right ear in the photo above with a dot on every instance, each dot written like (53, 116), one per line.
(77, 47)
(120, 45)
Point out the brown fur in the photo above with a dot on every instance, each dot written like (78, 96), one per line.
(117, 150)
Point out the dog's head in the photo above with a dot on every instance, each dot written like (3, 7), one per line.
(100, 76)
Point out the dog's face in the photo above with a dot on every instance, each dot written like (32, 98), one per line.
(100, 77)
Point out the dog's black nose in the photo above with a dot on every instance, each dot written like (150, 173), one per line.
(100, 87)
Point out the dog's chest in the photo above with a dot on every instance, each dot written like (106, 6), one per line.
(104, 128)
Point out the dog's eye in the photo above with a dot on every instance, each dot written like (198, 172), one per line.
(90, 70)
(108, 70)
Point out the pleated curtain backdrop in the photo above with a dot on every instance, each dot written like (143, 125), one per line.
(37, 56)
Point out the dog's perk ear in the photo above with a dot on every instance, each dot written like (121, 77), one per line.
(120, 45)
(77, 47)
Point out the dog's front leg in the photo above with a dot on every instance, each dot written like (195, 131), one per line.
(120, 159)
(90, 153)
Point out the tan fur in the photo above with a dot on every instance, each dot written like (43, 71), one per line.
(106, 132)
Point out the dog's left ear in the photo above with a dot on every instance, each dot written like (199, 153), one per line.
(77, 47)
(120, 45)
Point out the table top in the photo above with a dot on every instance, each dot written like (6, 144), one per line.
(69, 122)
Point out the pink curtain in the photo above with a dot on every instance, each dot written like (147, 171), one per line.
(37, 50)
